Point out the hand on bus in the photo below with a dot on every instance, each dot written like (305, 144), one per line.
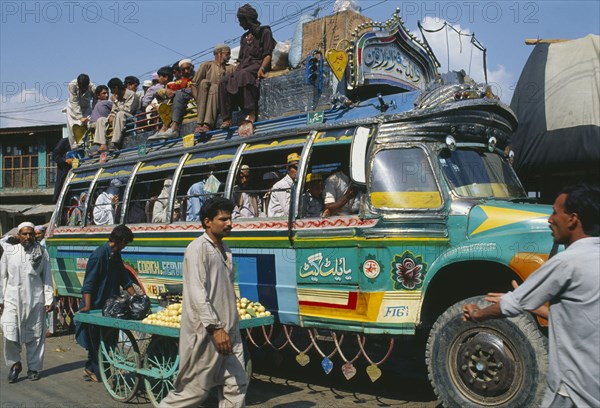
(494, 297)
(222, 341)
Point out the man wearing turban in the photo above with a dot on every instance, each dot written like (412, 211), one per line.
(240, 88)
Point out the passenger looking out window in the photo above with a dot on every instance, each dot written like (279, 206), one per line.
(77, 210)
(312, 199)
(159, 211)
(246, 200)
(340, 197)
(279, 205)
(269, 179)
(106, 204)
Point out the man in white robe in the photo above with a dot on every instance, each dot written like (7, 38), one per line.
(159, 211)
(210, 344)
(26, 295)
(105, 207)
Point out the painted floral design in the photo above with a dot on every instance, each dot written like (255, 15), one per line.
(408, 271)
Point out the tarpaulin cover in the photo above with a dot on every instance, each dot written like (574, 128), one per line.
(557, 103)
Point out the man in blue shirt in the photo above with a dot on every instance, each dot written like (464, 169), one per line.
(105, 274)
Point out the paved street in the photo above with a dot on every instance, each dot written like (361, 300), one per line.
(62, 385)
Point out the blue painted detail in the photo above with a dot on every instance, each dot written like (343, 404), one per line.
(327, 365)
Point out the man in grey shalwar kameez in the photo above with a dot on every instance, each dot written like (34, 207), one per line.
(210, 344)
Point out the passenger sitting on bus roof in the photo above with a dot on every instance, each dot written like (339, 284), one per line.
(123, 106)
(206, 87)
(339, 196)
(246, 203)
(279, 205)
(105, 207)
(159, 212)
(240, 88)
(181, 92)
(312, 201)
(79, 105)
(103, 104)
(165, 75)
(132, 83)
(269, 179)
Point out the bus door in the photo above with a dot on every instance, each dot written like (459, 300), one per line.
(261, 192)
(404, 193)
(327, 235)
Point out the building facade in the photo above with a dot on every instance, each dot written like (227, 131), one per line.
(27, 174)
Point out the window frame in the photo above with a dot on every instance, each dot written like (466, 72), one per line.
(378, 148)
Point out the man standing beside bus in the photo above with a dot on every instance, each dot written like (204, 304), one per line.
(210, 344)
(104, 276)
(26, 295)
(571, 283)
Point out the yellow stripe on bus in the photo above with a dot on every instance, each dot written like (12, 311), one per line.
(421, 199)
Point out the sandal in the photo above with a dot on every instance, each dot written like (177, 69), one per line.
(246, 128)
(89, 376)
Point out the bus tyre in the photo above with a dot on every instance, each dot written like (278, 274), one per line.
(496, 363)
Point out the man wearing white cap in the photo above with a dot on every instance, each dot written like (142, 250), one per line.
(26, 296)
(246, 202)
(105, 207)
(40, 233)
(206, 87)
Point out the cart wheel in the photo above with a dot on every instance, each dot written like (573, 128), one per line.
(162, 357)
(118, 357)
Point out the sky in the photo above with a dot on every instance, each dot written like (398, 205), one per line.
(46, 44)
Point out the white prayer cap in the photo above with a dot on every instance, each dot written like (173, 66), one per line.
(147, 83)
(25, 224)
(185, 61)
(116, 183)
(39, 228)
(245, 167)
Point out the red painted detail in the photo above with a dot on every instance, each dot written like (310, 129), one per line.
(350, 305)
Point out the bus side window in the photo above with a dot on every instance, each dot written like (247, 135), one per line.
(149, 198)
(106, 201)
(197, 184)
(328, 175)
(73, 209)
(272, 176)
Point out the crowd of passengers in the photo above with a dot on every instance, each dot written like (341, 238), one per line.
(217, 88)
(334, 196)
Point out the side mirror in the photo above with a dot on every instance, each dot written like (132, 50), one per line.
(358, 155)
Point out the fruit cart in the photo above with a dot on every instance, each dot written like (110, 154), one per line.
(132, 351)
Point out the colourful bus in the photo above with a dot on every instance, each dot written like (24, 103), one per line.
(439, 217)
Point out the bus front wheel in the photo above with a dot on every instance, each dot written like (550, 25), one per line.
(497, 363)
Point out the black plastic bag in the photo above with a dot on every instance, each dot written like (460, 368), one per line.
(139, 307)
(117, 307)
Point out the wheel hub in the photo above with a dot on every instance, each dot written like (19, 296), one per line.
(484, 365)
